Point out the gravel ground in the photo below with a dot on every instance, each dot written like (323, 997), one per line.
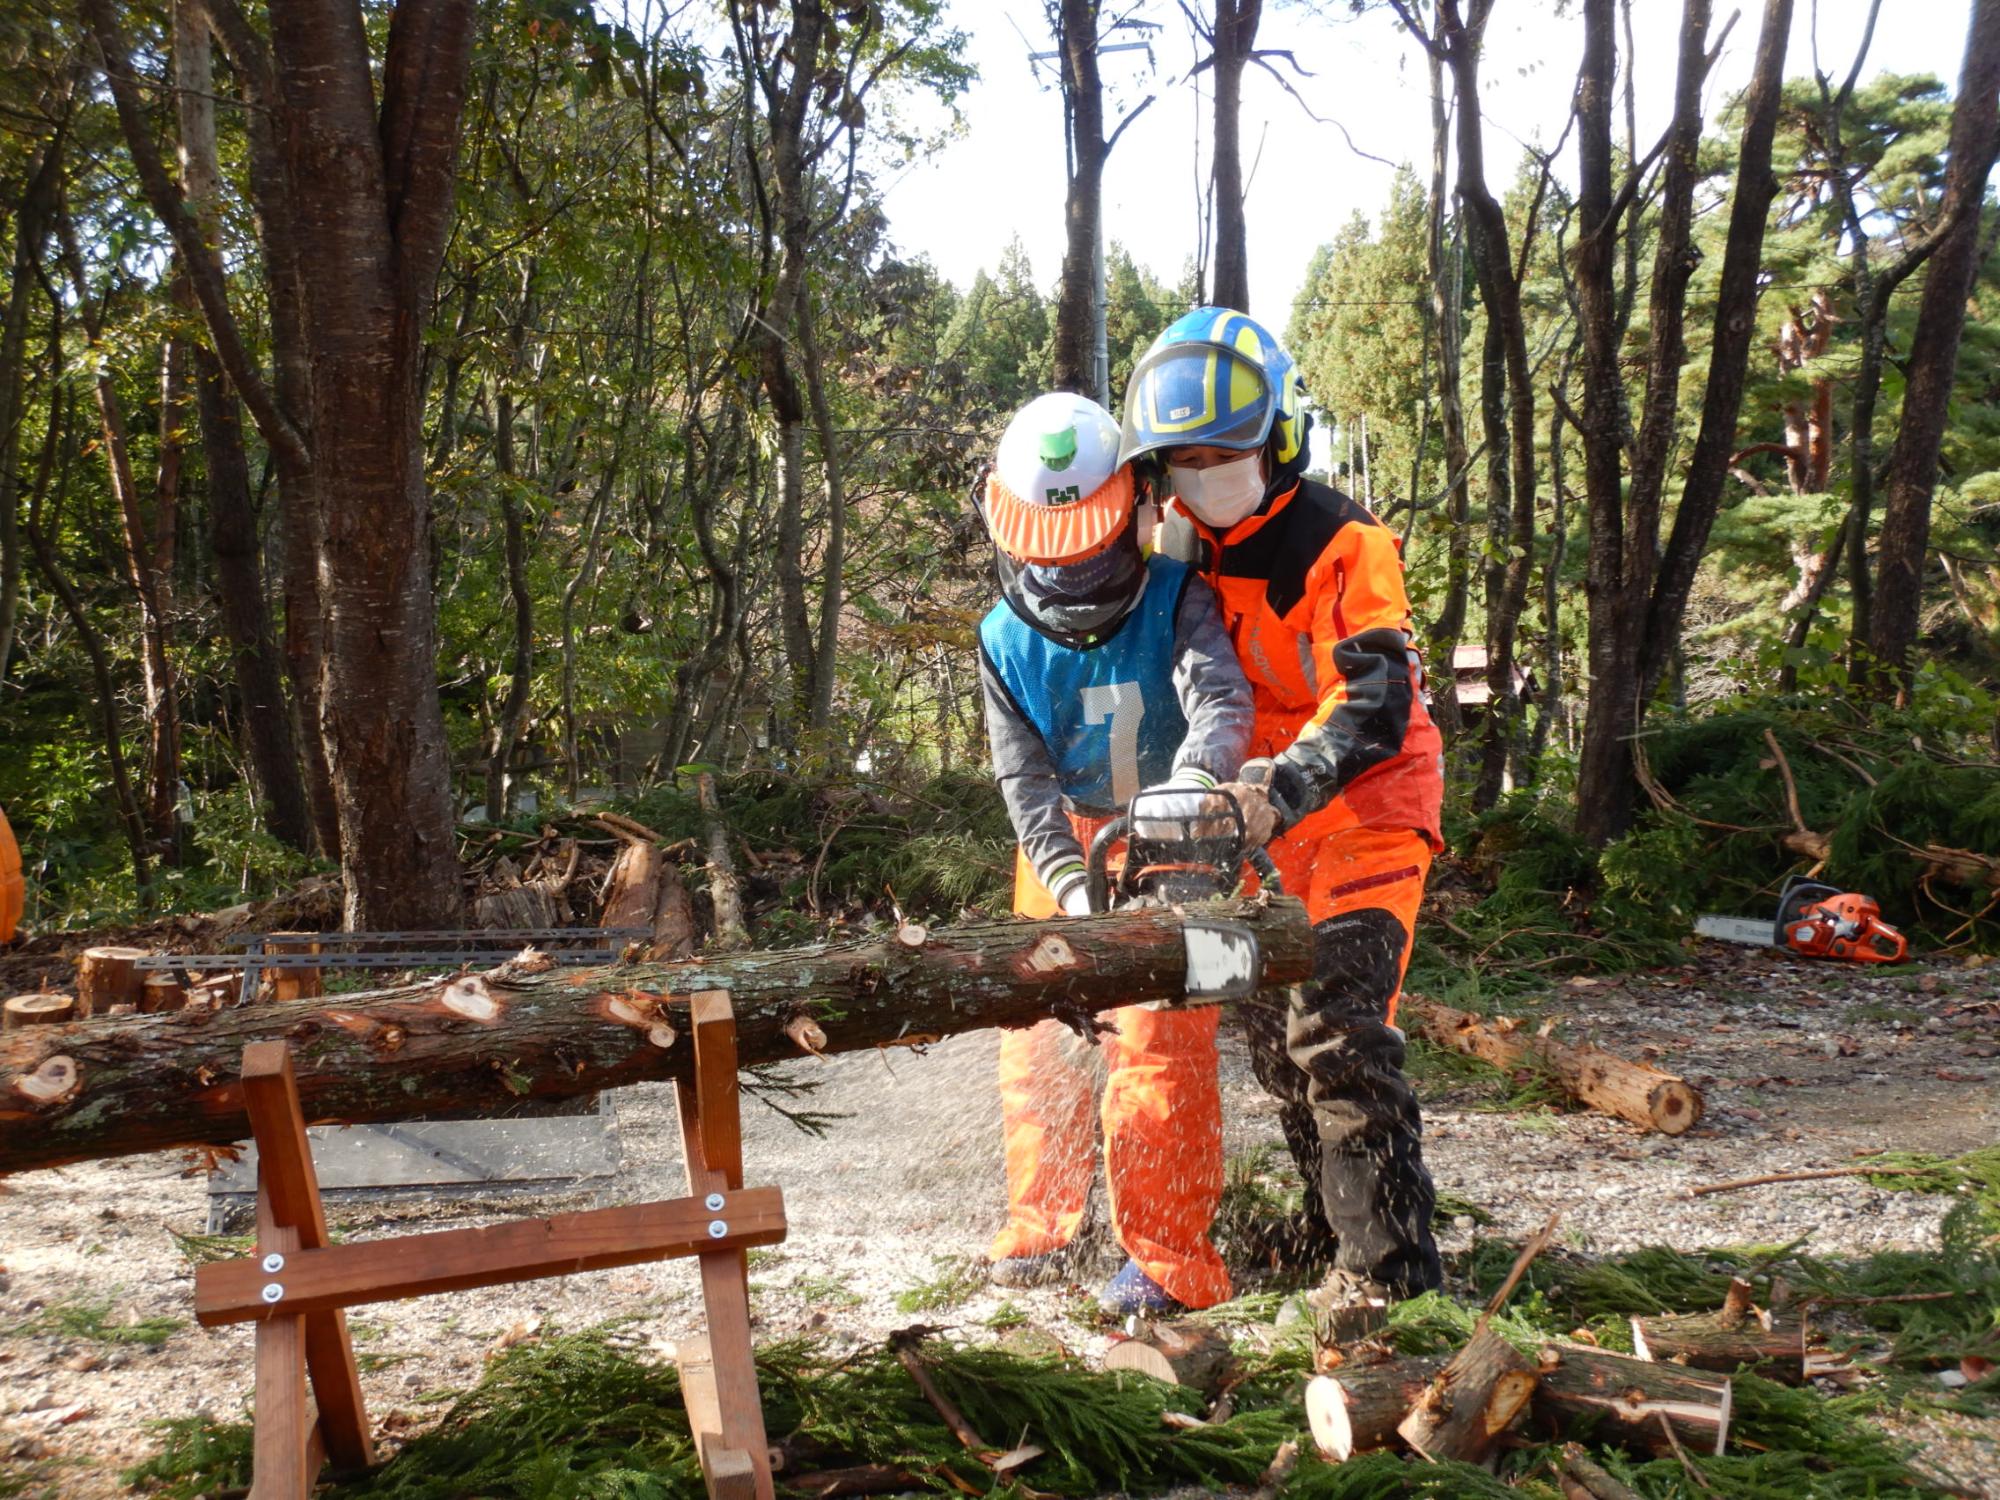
(1803, 1065)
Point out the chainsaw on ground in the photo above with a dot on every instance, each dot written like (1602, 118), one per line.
(1172, 857)
(1819, 921)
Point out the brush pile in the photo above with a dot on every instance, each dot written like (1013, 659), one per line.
(1584, 1413)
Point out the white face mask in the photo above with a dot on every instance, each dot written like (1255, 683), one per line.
(1222, 494)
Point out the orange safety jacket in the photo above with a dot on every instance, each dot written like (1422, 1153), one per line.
(1311, 590)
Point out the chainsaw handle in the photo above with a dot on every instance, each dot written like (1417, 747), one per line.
(1097, 863)
(1267, 870)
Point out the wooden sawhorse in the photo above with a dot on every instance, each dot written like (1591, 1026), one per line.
(298, 1285)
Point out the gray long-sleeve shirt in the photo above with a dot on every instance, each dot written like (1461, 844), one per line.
(1214, 697)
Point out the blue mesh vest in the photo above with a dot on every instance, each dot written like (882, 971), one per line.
(1108, 713)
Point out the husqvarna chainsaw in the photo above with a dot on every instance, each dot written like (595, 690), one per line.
(1819, 921)
(1173, 855)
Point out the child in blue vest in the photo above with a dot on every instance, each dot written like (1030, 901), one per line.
(1104, 672)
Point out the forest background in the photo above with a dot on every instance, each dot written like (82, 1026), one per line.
(418, 419)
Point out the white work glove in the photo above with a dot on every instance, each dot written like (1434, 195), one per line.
(1076, 900)
(1185, 794)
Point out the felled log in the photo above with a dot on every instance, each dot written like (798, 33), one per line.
(106, 977)
(1356, 1409)
(1467, 1405)
(1597, 1079)
(1774, 1344)
(476, 1043)
(1580, 1384)
(1189, 1354)
(37, 1010)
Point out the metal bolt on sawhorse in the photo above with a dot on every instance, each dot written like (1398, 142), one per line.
(297, 1286)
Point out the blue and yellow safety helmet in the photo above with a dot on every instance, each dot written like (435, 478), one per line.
(1215, 378)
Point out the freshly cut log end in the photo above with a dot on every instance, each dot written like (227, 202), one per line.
(1189, 1354)
(1471, 1401)
(1579, 1383)
(106, 977)
(37, 1010)
(1356, 1408)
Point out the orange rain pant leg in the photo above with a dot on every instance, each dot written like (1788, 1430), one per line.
(1162, 1120)
(1047, 1123)
(1163, 1147)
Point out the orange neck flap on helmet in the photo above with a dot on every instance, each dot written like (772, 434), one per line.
(1056, 534)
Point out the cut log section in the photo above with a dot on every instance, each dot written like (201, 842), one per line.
(1189, 1354)
(1597, 1079)
(1357, 1408)
(1471, 1401)
(37, 1010)
(479, 1043)
(1580, 1383)
(162, 991)
(106, 977)
(646, 891)
(1774, 1344)
(295, 984)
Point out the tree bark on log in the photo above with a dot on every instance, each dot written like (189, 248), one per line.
(1471, 1401)
(1580, 1383)
(1600, 1080)
(1773, 1343)
(473, 1042)
(1357, 1408)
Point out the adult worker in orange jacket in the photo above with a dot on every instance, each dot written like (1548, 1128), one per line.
(1345, 770)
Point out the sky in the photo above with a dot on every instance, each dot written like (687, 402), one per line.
(1002, 173)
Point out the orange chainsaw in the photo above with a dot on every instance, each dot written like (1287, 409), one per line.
(1819, 921)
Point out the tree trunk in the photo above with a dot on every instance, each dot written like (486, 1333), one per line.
(1728, 365)
(1083, 201)
(267, 723)
(1601, 1080)
(1234, 37)
(32, 219)
(826, 651)
(520, 669)
(481, 1042)
(373, 198)
(41, 539)
(107, 976)
(1933, 362)
(1448, 625)
(1625, 519)
(1512, 504)
(1771, 1343)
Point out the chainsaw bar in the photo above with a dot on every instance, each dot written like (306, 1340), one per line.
(1223, 960)
(1747, 930)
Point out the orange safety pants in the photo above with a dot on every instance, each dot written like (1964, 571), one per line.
(1162, 1122)
(1339, 870)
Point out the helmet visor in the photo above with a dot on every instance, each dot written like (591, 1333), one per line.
(1196, 395)
(1068, 533)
